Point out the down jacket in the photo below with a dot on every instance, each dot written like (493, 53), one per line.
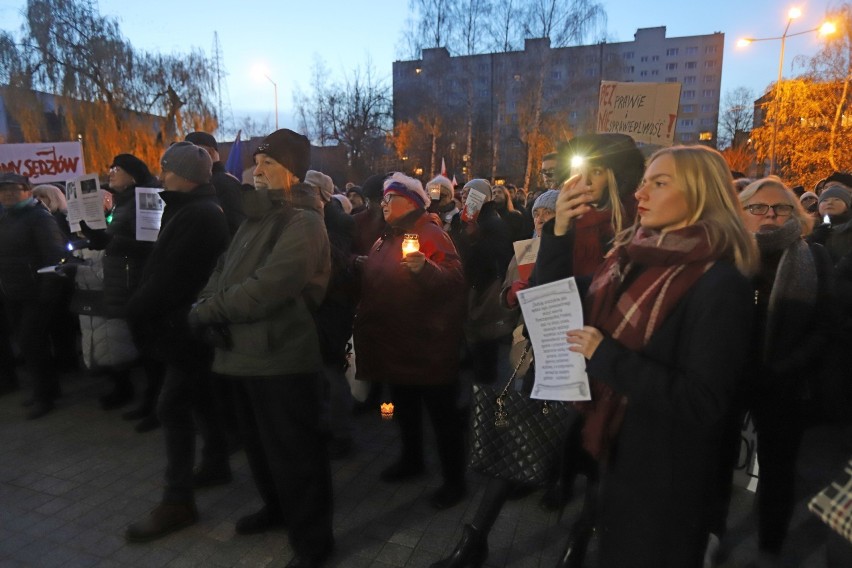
(106, 342)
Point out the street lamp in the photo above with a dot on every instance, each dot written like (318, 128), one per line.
(826, 28)
(260, 71)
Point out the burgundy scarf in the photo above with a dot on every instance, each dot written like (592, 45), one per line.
(631, 295)
(592, 236)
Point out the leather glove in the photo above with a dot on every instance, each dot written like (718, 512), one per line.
(98, 238)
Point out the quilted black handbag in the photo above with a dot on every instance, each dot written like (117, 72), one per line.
(516, 438)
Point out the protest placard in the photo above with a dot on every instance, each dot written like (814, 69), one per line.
(647, 112)
(43, 162)
(149, 213)
(526, 252)
(85, 202)
(473, 205)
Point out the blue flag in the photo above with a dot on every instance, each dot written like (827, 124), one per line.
(234, 165)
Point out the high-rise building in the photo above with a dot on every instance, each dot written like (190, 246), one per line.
(517, 101)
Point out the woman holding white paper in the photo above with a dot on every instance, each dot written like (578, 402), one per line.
(123, 260)
(669, 317)
(586, 216)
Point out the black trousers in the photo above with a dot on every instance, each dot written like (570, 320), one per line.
(186, 400)
(447, 420)
(779, 435)
(279, 420)
(30, 322)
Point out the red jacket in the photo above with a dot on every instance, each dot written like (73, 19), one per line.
(408, 327)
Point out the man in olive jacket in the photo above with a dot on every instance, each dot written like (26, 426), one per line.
(259, 301)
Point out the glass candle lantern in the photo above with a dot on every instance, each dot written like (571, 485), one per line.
(410, 243)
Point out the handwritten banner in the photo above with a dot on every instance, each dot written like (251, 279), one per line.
(43, 162)
(647, 112)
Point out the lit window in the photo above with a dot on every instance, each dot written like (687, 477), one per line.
(705, 136)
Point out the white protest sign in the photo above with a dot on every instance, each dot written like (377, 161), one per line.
(149, 213)
(647, 112)
(85, 202)
(43, 162)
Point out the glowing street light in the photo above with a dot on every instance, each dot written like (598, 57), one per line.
(827, 28)
(260, 71)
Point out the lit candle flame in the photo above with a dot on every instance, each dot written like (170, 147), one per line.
(387, 410)
(410, 243)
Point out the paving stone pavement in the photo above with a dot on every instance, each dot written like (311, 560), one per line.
(72, 481)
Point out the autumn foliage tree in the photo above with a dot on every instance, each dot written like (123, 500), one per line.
(117, 98)
(814, 134)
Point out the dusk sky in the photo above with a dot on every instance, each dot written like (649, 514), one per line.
(285, 36)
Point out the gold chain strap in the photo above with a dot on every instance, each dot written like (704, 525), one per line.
(501, 414)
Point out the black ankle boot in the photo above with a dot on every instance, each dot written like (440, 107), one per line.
(471, 551)
(578, 542)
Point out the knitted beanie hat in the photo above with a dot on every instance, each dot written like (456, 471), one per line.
(408, 187)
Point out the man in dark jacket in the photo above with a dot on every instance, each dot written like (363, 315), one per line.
(193, 234)
(29, 239)
(228, 188)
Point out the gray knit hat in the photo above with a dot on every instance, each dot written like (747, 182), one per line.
(546, 200)
(188, 161)
(322, 182)
(839, 191)
(480, 185)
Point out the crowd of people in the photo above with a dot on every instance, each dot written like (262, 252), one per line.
(704, 299)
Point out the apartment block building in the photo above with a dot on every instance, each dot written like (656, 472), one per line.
(499, 96)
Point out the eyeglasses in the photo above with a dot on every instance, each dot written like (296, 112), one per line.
(387, 198)
(780, 209)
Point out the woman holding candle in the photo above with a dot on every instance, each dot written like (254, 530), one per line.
(408, 330)
(668, 334)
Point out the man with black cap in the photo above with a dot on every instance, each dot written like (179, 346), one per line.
(30, 239)
(228, 188)
(193, 234)
(260, 300)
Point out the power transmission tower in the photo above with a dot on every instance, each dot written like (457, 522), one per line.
(221, 75)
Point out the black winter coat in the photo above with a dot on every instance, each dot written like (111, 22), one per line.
(335, 315)
(193, 234)
(228, 191)
(679, 389)
(124, 256)
(486, 252)
(29, 239)
(663, 463)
